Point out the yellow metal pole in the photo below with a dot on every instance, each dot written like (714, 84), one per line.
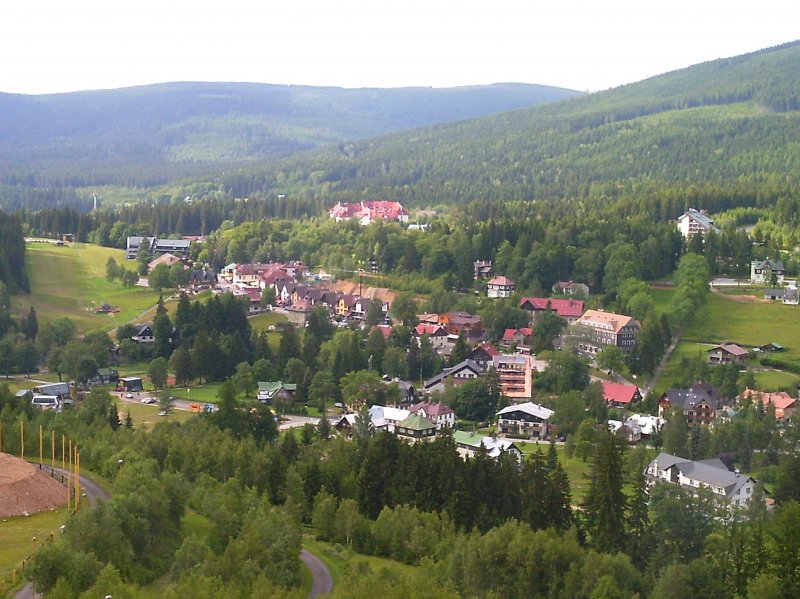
(69, 477)
(63, 451)
(41, 453)
(21, 439)
(77, 478)
(52, 449)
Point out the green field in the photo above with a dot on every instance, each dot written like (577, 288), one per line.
(145, 416)
(661, 298)
(70, 281)
(16, 540)
(265, 320)
(748, 323)
(775, 380)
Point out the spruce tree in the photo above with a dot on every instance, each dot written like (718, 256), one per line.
(604, 506)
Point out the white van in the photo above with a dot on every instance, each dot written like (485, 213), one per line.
(46, 402)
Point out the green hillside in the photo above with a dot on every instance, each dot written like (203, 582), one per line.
(723, 128)
(151, 134)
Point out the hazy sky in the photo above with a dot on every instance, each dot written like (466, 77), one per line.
(55, 46)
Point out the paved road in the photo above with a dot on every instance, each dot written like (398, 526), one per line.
(322, 583)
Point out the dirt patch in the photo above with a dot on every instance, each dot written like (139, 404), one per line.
(24, 489)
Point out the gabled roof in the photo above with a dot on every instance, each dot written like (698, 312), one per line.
(489, 349)
(425, 328)
(619, 393)
(731, 348)
(771, 264)
(709, 472)
(509, 334)
(528, 408)
(432, 409)
(464, 365)
(781, 400)
(565, 308)
(606, 320)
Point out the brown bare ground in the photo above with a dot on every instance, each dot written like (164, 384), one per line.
(24, 489)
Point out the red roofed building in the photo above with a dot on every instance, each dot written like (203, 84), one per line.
(784, 403)
(500, 287)
(727, 353)
(370, 211)
(620, 395)
(435, 332)
(483, 355)
(438, 413)
(520, 337)
(568, 309)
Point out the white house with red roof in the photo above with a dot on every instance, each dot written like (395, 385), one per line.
(620, 395)
(435, 332)
(500, 287)
(568, 309)
(438, 413)
(369, 211)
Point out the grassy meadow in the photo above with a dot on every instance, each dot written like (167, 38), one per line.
(16, 541)
(70, 281)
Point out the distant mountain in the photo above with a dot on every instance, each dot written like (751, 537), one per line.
(727, 127)
(92, 136)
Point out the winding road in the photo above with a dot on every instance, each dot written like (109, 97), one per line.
(322, 583)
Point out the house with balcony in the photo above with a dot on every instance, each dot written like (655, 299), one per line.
(692, 222)
(500, 287)
(596, 330)
(515, 375)
(733, 489)
(527, 419)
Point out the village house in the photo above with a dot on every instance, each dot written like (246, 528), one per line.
(144, 334)
(179, 247)
(387, 417)
(369, 211)
(276, 390)
(202, 279)
(415, 429)
(527, 419)
(135, 244)
(483, 355)
(699, 407)
(596, 330)
(762, 271)
(734, 489)
(166, 259)
(515, 375)
(783, 403)
(648, 425)
(440, 414)
(620, 395)
(458, 323)
(788, 295)
(482, 269)
(568, 309)
(500, 287)
(571, 288)
(469, 444)
(727, 353)
(436, 334)
(519, 338)
(457, 375)
(299, 312)
(692, 222)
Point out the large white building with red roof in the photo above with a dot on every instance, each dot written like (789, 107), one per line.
(500, 287)
(369, 211)
(597, 329)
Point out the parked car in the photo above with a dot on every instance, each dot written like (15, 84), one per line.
(149, 400)
(129, 395)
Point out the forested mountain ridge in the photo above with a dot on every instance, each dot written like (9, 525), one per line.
(727, 123)
(152, 130)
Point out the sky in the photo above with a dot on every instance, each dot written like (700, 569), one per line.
(51, 46)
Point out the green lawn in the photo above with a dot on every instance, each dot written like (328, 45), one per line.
(266, 319)
(661, 298)
(145, 416)
(203, 394)
(672, 373)
(70, 281)
(16, 542)
(774, 380)
(748, 323)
